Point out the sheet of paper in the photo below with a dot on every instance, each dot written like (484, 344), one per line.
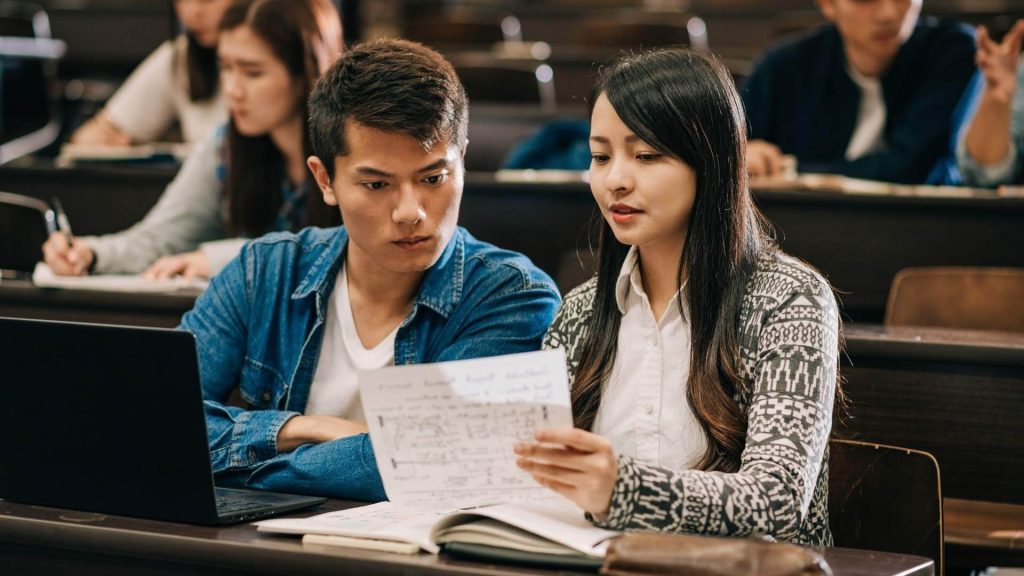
(444, 432)
(43, 277)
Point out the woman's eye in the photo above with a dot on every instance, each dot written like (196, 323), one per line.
(598, 158)
(647, 157)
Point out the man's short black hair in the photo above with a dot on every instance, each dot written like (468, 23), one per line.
(391, 85)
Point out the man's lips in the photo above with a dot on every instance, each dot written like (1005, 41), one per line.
(411, 241)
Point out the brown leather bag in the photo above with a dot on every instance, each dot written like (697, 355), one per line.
(686, 555)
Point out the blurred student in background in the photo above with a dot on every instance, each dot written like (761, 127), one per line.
(177, 83)
(872, 95)
(246, 179)
(989, 154)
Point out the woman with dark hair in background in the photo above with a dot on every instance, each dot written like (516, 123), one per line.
(703, 360)
(177, 83)
(246, 179)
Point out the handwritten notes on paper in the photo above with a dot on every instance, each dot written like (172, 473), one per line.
(445, 432)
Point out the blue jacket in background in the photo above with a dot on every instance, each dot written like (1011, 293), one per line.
(259, 327)
(800, 98)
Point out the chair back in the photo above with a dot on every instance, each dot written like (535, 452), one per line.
(25, 223)
(29, 119)
(967, 298)
(636, 30)
(512, 82)
(885, 498)
(466, 28)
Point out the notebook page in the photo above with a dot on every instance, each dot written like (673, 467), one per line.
(551, 517)
(43, 277)
(444, 432)
(381, 521)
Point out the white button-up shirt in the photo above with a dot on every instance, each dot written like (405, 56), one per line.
(644, 412)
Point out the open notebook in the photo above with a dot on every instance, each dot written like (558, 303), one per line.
(45, 278)
(550, 526)
(443, 436)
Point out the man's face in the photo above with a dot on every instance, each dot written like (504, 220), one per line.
(872, 30)
(400, 203)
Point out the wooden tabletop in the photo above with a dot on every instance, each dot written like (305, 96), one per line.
(47, 540)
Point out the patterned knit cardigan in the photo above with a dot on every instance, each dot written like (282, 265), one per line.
(789, 346)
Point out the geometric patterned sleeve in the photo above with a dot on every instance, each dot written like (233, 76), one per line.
(570, 324)
(789, 347)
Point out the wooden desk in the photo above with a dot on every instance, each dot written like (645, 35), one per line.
(956, 394)
(51, 541)
(858, 241)
(20, 299)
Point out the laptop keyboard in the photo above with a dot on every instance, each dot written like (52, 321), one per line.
(230, 505)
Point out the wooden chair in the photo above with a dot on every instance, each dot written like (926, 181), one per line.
(507, 82)
(637, 29)
(958, 297)
(885, 498)
(25, 223)
(464, 28)
(29, 119)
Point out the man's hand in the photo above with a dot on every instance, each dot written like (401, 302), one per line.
(998, 62)
(315, 430)
(764, 158)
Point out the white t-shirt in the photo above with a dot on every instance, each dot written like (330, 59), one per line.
(644, 412)
(335, 388)
(156, 95)
(869, 135)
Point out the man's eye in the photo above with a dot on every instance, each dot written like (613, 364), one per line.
(375, 185)
(436, 179)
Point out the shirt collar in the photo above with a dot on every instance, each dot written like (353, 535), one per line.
(629, 280)
(441, 289)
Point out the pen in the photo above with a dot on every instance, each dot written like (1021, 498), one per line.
(62, 221)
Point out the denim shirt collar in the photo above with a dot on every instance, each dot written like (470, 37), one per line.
(440, 291)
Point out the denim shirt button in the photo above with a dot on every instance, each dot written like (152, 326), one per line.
(266, 395)
(252, 453)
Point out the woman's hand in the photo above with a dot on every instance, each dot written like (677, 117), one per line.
(101, 131)
(66, 259)
(188, 265)
(577, 464)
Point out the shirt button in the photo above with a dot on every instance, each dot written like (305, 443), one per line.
(266, 395)
(649, 408)
(252, 454)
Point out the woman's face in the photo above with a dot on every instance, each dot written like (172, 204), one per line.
(201, 18)
(262, 94)
(645, 196)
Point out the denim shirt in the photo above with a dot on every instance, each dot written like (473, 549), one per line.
(259, 328)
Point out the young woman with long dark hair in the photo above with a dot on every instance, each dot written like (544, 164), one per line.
(247, 179)
(703, 359)
(177, 83)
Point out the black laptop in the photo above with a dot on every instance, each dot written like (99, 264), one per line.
(110, 419)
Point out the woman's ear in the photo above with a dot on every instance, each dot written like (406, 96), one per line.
(323, 180)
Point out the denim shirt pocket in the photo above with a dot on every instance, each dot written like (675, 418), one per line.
(261, 385)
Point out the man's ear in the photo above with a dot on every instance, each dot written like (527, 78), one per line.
(323, 180)
(464, 146)
(828, 9)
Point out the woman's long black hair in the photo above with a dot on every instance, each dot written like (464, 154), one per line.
(306, 36)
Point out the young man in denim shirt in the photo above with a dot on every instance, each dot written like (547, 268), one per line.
(292, 319)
